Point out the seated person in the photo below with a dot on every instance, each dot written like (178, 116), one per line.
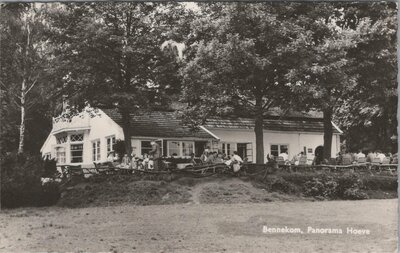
(284, 155)
(110, 157)
(219, 158)
(126, 161)
(236, 161)
(360, 154)
(370, 157)
(146, 161)
(296, 158)
(204, 156)
(211, 158)
(380, 155)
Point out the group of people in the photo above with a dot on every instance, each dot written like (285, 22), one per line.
(214, 157)
(371, 156)
(148, 161)
(153, 159)
(285, 157)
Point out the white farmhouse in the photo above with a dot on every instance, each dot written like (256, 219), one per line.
(87, 139)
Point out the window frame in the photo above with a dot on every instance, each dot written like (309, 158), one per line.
(180, 148)
(279, 148)
(71, 150)
(96, 150)
(76, 141)
(146, 148)
(110, 146)
(64, 160)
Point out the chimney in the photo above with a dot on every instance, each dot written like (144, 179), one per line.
(65, 104)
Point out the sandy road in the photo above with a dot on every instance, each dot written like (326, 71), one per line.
(202, 228)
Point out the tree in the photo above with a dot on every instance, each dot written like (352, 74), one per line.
(110, 55)
(321, 72)
(237, 63)
(24, 65)
(369, 117)
(338, 69)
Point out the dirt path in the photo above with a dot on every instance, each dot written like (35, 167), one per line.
(197, 191)
(202, 227)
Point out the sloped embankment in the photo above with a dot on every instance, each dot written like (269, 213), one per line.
(131, 190)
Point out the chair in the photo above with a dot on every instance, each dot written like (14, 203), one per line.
(303, 160)
(346, 161)
(75, 170)
(376, 161)
(386, 160)
(280, 160)
(361, 160)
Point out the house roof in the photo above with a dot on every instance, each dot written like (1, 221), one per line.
(166, 124)
(160, 124)
(297, 125)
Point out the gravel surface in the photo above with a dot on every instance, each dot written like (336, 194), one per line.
(197, 227)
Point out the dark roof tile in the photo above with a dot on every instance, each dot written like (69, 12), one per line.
(166, 124)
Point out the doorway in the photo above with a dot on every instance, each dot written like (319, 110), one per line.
(245, 150)
(199, 147)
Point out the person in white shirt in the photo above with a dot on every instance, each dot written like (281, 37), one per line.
(110, 157)
(360, 154)
(380, 155)
(236, 162)
(284, 155)
(236, 157)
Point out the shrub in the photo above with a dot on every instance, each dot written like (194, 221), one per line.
(350, 187)
(355, 194)
(281, 185)
(21, 182)
(384, 183)
(322, 187)
(336, 187)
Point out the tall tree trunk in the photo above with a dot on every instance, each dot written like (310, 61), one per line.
(259, 131)
(22, 126)
(126, 128)
(328, 131)
(24, 90)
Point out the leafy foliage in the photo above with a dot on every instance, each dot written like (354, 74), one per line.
(336, 187)
(110, 55)
(24, 77)
(21, 182)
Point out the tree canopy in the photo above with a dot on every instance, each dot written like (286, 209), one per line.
(220, 59)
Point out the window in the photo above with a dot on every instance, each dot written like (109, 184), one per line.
(146, 147)
(187, 148)
(174, 148)
(249, 152)
(60, 155)
(76, 153)
(180, 148)
(227, 148)
(96, 151)
(245, 150)
(61, 139)
(110, 143)
(76, 137)
(276, 149)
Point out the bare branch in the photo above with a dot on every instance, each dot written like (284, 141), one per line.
(2, 84)
(267, 105)
(33, 84)
(245, 100)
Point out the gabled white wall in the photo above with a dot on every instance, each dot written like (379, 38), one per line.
(295, 140)
(101, 126)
